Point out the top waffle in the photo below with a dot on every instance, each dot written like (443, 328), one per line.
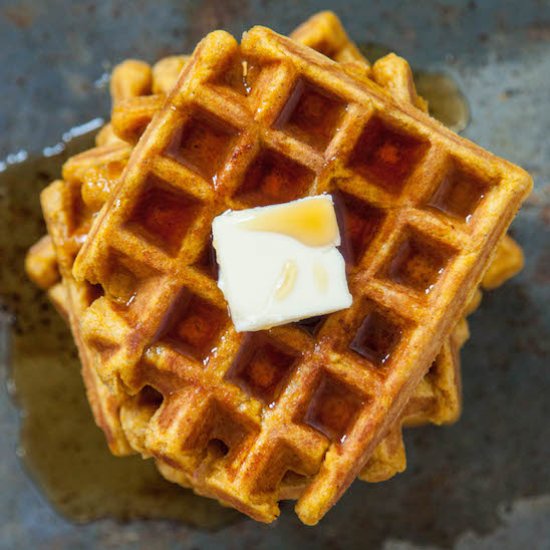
(435, 206)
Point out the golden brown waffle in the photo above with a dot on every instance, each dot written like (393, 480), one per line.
(324, 32)
(332, 395)
(435, 401)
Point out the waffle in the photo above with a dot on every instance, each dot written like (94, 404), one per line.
(335, 392)
(389, 456)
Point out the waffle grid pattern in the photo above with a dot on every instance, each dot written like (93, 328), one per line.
(412, 263)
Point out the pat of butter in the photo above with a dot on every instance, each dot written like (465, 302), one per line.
(280, 264)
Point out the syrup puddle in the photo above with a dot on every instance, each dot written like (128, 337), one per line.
(446, 102)
(60, 446)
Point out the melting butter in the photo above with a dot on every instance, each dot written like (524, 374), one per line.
(320, 277)
(311, 221)
(287, 280)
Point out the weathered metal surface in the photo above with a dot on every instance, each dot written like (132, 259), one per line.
(483, 483)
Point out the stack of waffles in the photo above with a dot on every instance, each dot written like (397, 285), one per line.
(301, 410)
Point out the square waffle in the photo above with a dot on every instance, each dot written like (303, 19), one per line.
(435, 400)
(163, 322)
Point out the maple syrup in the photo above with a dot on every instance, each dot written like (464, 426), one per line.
(310, 115)
(386, 155)
(193, 326)
(287, 280)
(376, 338)
(312, 222)
(163, 214)
(62, 449)
(417, 263)
(202, 144)
(333, 408)
(262, 366)
(272, 179)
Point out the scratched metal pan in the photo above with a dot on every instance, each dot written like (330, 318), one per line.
(483, 483)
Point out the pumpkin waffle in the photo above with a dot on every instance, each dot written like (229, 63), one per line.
(324, 32)
(333, 394)
(389, 456)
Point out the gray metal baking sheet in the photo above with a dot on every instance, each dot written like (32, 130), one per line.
(482, 483)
